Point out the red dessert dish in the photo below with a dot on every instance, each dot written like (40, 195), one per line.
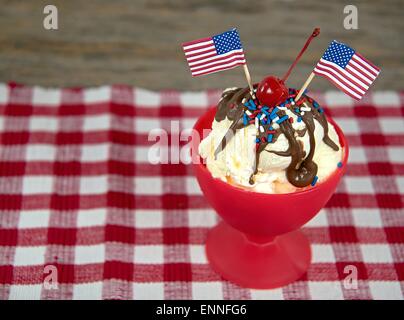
(258, 244)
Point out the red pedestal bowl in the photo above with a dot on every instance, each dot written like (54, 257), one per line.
(258, 244)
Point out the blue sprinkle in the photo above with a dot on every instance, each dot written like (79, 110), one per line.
(273, 116)
(320, 110)
(315, 104)
(299, 119)
(284, 118)
(265, 108)
(271, 128)
(245, 119)
(305, 91)
(257, 140)
(297, 110)
(339, 165)
(252, 104)
(313, 183)
(270, 137)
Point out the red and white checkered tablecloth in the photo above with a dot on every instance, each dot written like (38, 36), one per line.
(77, 193)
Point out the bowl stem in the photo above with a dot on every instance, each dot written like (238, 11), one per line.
(257, 262)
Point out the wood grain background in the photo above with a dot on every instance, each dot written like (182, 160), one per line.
(139, 42)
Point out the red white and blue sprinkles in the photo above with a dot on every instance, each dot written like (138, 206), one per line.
(267, 119)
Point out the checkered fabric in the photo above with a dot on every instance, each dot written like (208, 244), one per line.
(78, 193)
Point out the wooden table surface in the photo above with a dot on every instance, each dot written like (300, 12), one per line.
(139, 42)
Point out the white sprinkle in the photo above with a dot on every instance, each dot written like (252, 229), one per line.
(282, 108)
(261, 128)
(263, 116)
(275, 125)
(305, 109)
(256, 122)
(293, 103)
(248, 113)
(302, 113)
(244, 100)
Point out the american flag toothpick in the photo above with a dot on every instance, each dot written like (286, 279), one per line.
(346, 69)
(213, 54)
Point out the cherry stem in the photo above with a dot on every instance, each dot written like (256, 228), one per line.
(315, 33)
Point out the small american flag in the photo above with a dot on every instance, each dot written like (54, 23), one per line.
(213, 54)
(347, 69)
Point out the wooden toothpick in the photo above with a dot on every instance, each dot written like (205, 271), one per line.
(249, 81)
(305, 85)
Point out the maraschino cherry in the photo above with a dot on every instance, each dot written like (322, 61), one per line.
(272, 90)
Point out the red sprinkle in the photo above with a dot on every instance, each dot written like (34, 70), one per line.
(291, 120)
(263, 139)
(271, 131)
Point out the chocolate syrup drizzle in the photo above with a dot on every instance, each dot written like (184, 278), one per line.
(302, 168)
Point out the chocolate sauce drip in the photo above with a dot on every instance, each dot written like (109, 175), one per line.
(302, 168)
(324, 123)
(304, 172)
(231, 106)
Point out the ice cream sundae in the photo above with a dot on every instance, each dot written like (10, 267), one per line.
(272, 160)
